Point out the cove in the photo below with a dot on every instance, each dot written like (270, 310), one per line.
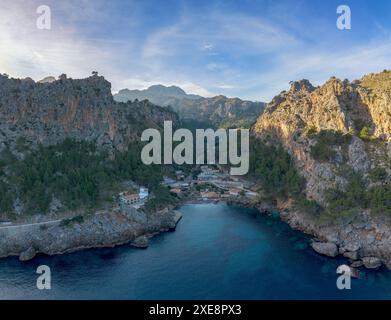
(217, 252)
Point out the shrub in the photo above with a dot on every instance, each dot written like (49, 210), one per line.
(325, 140)
(273, 166)
(71, 221)
(364, 134)
(378, 174)
(322, 152)
(309, 206)
(311, 131)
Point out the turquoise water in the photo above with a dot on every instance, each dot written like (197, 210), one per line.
(217, 252)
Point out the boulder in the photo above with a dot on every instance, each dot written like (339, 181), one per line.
(352, 255)
(371, 262)
(141, 242)
(326, 248)
(27, 254)
(357, 264)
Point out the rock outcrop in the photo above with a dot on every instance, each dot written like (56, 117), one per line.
(372, 262)
(355, 121)
(294, 117)
(98, 230)
(82, 109)
(326, 248)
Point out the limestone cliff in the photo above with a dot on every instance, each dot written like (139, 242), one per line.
(82, 109)
(339, 136)
(295, 118)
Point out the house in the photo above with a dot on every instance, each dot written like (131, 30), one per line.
(127, 198)
(143, 193)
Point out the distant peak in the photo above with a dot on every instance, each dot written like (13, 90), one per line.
(169, 91)
(48, 79)
(301, 85)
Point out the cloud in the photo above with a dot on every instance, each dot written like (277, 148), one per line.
(204, 52)
(26, 50)
(225, 86)
(207, 46)
(230, 33)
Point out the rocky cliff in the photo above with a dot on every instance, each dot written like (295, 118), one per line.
(82, 109)
(357, 113)
(339, 137)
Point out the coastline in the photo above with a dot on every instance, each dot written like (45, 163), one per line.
(364, 240)
(348, 238)
(108, 229)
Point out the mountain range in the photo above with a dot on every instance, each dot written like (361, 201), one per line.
(218, 111)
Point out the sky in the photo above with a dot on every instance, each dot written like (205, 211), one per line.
(250, 49)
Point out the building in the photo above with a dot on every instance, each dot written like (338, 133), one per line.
(143, 193)
(127, 198)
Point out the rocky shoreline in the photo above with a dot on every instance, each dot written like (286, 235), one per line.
(99, 230)
(365, 241)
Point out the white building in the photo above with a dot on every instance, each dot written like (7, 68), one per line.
(143, 193)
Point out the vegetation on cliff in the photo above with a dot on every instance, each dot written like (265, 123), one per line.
(274, 168)
(76, 173)
(339, 138)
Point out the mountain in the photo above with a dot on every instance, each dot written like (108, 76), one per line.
(157, 94)
(338, 136)
(81, 109)
(49, 79)
(218, 111)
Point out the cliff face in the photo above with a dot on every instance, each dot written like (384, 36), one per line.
(82, 109)
(294, 118)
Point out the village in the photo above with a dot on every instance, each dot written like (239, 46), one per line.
(208, 184)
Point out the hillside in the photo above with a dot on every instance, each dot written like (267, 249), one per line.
(338, 137)
(333, 132)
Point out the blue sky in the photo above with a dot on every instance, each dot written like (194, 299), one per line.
(245, 48)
